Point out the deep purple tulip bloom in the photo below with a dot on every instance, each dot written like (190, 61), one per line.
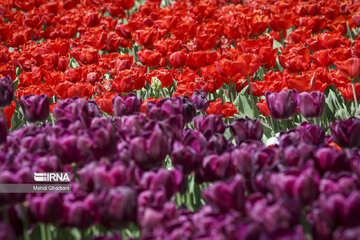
(246, 129)
(168, 180)
(311, 133)
(6, 91)
(151, 150)
(48, 209)
(199, 98)
(35, 107)
(3, 129)
(126, 106)
(329, 159)
(209, 125)
(282, 105)
(118, 206)
(346, 133)
(275, 215)
(215, 167)
(227, 196)
(94, 109)
(184, 156)
(189, 109)
(82, 214)
(311, 105)
(165, 108)
(71, 110)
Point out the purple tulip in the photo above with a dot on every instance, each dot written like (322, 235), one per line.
(351, 210)
(241, 160)
(246, 129)
(165, 108)
(6, 232)
(329, 159)
(282, 105)
(48, 209)
(169, 180)
(216, 167)
(209, 125)
(151, 150)
(311, 105)
(342, 182)
(71, 148)
(346, 133)
(189, 109)
(274, 215)
(118, 206)
(128, 105)
(81, 213)
(347, 233)
(71, 110)
(199, 98)
(184, 156)
(3, 129)
(6, 91)
(35, 107)
(306, 186)
(227, 196)
(332, 207)
(94, 109)
(151, 217)
(312, 133)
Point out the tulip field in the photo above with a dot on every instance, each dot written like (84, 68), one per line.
(179, 120)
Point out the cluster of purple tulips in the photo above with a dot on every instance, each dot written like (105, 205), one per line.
(176, 174)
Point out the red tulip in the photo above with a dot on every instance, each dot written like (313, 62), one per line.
(350, 68)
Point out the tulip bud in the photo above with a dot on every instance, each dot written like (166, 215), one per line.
(35, 107)
(3, 129)
(311, 105)
(6, 91)
(246, 129)
(282, 105)
(346, 133)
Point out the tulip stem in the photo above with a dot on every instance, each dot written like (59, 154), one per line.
(25, 221)
(252, 97)
(43, 231)
(282, 38)
(355, 99)
(305, 225)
